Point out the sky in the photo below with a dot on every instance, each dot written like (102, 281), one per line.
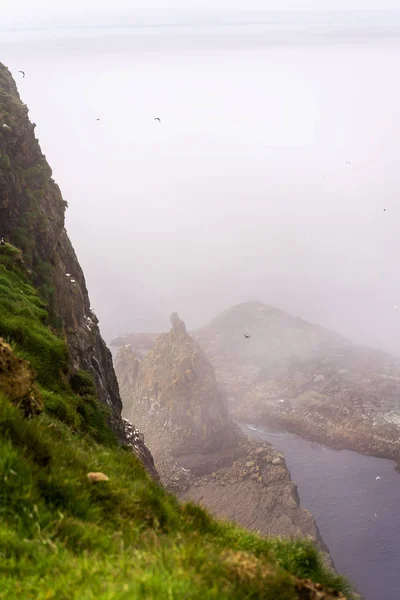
(273, 175)
(88, 12)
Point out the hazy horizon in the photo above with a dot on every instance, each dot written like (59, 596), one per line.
(25, 13)
(272, 175)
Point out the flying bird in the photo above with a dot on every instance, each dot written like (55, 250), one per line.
(97, 119)
(23, 73)
(157, 119)
(376, 478)
(247, 336)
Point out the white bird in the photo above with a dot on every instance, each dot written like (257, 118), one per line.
(376, 514)
(376, 478)
(186, 470)
(395, 307)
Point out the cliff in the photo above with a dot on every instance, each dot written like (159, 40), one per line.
(32, 218)
(80, 517)
(305, 379)
(173, 395)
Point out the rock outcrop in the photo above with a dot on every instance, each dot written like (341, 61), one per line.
(305, 379)
(173, 396)
(256, 491)
(32, 219)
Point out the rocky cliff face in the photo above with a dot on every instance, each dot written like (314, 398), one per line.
(32, 218)
(305, 379)
(173, 395)
(174, 390)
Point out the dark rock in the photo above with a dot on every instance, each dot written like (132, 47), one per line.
(178, 325)
(135, 440)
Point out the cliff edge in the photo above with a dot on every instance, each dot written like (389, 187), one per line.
(32, 218)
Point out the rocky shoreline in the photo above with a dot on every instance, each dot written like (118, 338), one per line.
(307, 380)
(381, 441)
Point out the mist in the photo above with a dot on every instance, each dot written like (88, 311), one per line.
(272, 176)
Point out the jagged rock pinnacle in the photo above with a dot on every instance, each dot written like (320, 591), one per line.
(178, 325)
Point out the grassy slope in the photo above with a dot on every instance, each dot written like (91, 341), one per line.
(64, 537)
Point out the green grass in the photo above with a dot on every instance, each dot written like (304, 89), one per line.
(63, 537)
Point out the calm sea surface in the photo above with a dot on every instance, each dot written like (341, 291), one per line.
(357, 514)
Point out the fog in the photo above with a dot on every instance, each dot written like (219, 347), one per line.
(24, 14)
(272, 176)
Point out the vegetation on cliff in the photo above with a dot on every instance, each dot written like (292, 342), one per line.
(32, 212)
(25, 181)
(24, 322)
(65, 536)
